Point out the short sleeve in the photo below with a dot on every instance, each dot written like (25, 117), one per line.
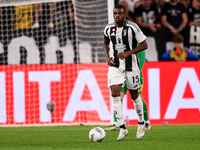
(139, 35)
(106, 35)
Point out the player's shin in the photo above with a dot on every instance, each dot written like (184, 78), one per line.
(118, 110)
(139, 108)
(119, 115)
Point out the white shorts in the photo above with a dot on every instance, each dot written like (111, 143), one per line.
(117, 76)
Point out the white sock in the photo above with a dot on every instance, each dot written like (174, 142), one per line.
(116, 124)
(118, 109)
(139, 108)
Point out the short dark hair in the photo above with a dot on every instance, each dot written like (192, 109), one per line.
(120, 6)
(177, 38)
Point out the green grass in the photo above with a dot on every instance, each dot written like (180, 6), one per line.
(179, 137)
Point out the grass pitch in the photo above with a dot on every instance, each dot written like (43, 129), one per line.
(169, 137)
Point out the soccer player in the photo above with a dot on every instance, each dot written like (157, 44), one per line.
(123, 64)
(123, 92)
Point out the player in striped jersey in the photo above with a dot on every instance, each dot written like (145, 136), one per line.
(148, 126)
(122, 59)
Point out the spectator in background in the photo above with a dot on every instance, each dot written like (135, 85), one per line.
(160, 39)
(64, 23)
(60, 22)
(131, 4)
(146, 16)
(179, 52)
(22, 23)
(186, 3)
(72, 30)
(193, 37)
(22, 17)
(159, 4)
(42, 18)
(174, 19)
(194, 13)
(6, 27)
(130, 15)
(38, 10)
(137, 4)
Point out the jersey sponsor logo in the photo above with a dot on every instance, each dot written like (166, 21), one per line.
(120, 47)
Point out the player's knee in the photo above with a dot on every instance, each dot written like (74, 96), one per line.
(134, 96)
(115, 93)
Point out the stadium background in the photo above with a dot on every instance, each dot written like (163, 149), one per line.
(36, 69)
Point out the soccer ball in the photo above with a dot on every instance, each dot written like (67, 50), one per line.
(97, 134)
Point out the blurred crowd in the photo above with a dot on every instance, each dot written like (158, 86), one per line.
(163, 19)
(39, 21)
(157, 18)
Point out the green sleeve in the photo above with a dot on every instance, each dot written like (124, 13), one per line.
(124, 88)
(141, 58)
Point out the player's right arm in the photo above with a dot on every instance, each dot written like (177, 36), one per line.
(106, 51)
(106, 47)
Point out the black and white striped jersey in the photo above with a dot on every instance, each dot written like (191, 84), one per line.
(124, 39)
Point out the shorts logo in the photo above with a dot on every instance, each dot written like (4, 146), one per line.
(109, 81)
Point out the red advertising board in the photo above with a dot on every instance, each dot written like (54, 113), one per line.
(80, 93)
(76, 90)
(171, 90)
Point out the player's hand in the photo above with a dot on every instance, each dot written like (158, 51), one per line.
(122, 55)
(111, 61)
